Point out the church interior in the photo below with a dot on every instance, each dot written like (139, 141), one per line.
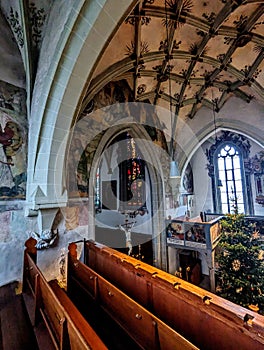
(132, 128)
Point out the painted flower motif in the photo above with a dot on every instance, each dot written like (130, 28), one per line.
(236, 264)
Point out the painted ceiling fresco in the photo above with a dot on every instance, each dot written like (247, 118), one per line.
(187, 54)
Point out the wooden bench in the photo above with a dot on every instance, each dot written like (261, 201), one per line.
(66, 326)
(206, 320)
(148, 331)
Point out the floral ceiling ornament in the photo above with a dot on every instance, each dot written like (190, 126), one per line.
(258, 48)
(209, 17)
(141, 89)
(164, 45)
(240, 22)
(185, 8)
(132, 20)
(37, 19)
(131, 48)
(14, 21)
(178, 8)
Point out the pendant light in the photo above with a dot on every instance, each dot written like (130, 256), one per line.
(219, 181)
(174, 170)
(174, 176)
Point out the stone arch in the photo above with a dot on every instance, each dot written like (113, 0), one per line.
(157, 175)
(59, 92)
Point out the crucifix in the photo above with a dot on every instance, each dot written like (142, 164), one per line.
(127, 228)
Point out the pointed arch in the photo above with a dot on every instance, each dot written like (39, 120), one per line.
(60, 88)
(151, 155)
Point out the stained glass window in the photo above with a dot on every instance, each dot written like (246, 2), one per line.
(132, 177)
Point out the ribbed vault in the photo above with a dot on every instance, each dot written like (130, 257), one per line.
(187, 53)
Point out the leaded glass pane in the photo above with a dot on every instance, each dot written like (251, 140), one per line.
(236, 162)
(224, 208)
(228, 163)
(229, 172)
(237, 174)
(232, 151)
(229, 175)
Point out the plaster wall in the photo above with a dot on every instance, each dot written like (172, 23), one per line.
(13, 234)
(202, 183)
(236, 115)
(16, 228)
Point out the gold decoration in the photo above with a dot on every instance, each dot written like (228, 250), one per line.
(261, 255)
(236, 264)
(253, 307)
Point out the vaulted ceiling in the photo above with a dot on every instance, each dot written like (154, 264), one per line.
(186, 54)
(178, 54)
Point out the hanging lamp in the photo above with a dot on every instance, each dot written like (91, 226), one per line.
(219, 181)
(174, 176)
(174, 169)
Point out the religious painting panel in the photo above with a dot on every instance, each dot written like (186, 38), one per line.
(13, 142)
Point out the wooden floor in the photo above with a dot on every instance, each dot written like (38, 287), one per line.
(16, 332)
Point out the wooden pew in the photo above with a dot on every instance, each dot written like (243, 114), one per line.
(66, 326)
(208, 321)
(147, 330)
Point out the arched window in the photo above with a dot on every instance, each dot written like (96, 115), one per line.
(229, 179)
(230, 174)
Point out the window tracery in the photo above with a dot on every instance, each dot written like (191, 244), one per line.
(229, 169)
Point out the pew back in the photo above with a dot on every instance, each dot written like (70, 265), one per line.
(145, 328)
(208, 321)
(66, 326)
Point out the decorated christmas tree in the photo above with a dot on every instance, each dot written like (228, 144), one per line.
(240, 263)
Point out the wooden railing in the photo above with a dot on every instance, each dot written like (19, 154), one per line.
(206, 320)
(66, 326)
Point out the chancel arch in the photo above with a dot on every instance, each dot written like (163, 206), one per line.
(148, 217)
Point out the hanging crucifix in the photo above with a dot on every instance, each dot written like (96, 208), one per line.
(127, 228)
